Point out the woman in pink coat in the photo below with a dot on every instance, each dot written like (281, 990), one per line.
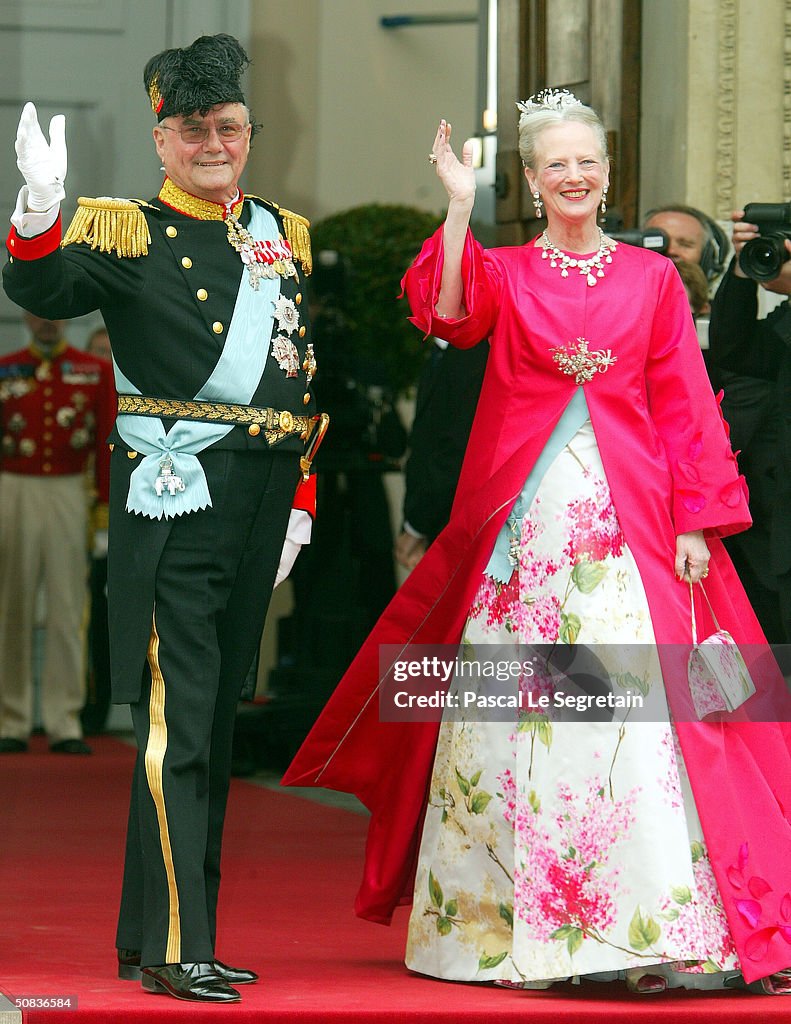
(598, 482)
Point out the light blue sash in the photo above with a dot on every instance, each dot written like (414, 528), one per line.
(234, 379)
(500, 565)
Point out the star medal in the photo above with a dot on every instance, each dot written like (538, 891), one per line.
(285, 352)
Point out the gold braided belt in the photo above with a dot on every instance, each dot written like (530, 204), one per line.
(277, 426)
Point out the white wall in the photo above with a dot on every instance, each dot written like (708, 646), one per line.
(350, 109)
(716, 103)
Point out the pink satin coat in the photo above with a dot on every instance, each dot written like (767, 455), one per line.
(669, 464)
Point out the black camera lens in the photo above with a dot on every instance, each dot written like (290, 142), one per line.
(762, 258)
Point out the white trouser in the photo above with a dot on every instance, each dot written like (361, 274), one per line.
(42, 542)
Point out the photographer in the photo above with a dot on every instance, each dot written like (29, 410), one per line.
(447, 397)
(696, 240)
(743, 343)
(692, 237)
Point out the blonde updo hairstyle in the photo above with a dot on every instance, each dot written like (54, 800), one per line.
(534, 121)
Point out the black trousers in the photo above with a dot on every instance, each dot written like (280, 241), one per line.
(213, 582)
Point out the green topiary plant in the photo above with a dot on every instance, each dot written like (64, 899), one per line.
(375, 244)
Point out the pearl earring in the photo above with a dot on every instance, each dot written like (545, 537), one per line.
(538, 205)
(604, 199)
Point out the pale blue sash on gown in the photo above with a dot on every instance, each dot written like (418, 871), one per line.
(501, 565)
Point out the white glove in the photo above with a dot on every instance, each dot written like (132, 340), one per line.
(42, 163)
(298, 533)
(100, 544)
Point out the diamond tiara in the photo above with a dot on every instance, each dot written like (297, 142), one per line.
(548, 99)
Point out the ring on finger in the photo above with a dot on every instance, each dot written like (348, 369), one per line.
(432, 158)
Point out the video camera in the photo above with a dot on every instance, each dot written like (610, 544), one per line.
(762, 258)
(644, 238)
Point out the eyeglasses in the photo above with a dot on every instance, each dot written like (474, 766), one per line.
(192, 134)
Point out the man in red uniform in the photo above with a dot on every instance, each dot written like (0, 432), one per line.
(57, 406)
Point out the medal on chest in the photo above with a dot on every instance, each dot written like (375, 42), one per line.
(268, 259)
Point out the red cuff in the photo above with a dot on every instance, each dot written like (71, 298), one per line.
(37, 247)
(305, 498)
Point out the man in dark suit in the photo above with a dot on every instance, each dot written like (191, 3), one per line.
(749, 405)
(447, 397)
(742, 343)
(203, 294)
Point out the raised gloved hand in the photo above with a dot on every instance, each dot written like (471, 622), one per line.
(42, 163)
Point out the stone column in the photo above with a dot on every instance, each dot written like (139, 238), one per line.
(716, 110)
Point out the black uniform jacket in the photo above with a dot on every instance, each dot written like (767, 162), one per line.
(167, 314)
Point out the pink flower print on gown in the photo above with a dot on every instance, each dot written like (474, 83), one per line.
(553, 849)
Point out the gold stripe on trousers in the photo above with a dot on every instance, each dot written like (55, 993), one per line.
(156, 748)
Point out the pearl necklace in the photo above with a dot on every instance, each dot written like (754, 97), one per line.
(555, 256)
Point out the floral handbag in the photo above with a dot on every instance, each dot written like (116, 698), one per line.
(719, 679)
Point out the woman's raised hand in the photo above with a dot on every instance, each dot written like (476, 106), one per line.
(458, 178)
(456, 175)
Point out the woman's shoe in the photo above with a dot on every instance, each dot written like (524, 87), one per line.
(646, 984)
(778, 984)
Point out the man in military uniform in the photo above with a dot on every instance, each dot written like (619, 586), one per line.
(57, 405)
(203, 294)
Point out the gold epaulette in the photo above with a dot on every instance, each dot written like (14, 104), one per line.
(110, 225)
(299, 237)
(297, 233)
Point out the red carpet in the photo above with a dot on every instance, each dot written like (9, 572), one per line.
(290, 873)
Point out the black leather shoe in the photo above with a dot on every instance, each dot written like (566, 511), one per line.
(70, 747)
(129, 969)
(193, 982)
(11, 746)
(129, 965)
(235, 975)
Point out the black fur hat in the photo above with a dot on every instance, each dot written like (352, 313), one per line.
(196, 77)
